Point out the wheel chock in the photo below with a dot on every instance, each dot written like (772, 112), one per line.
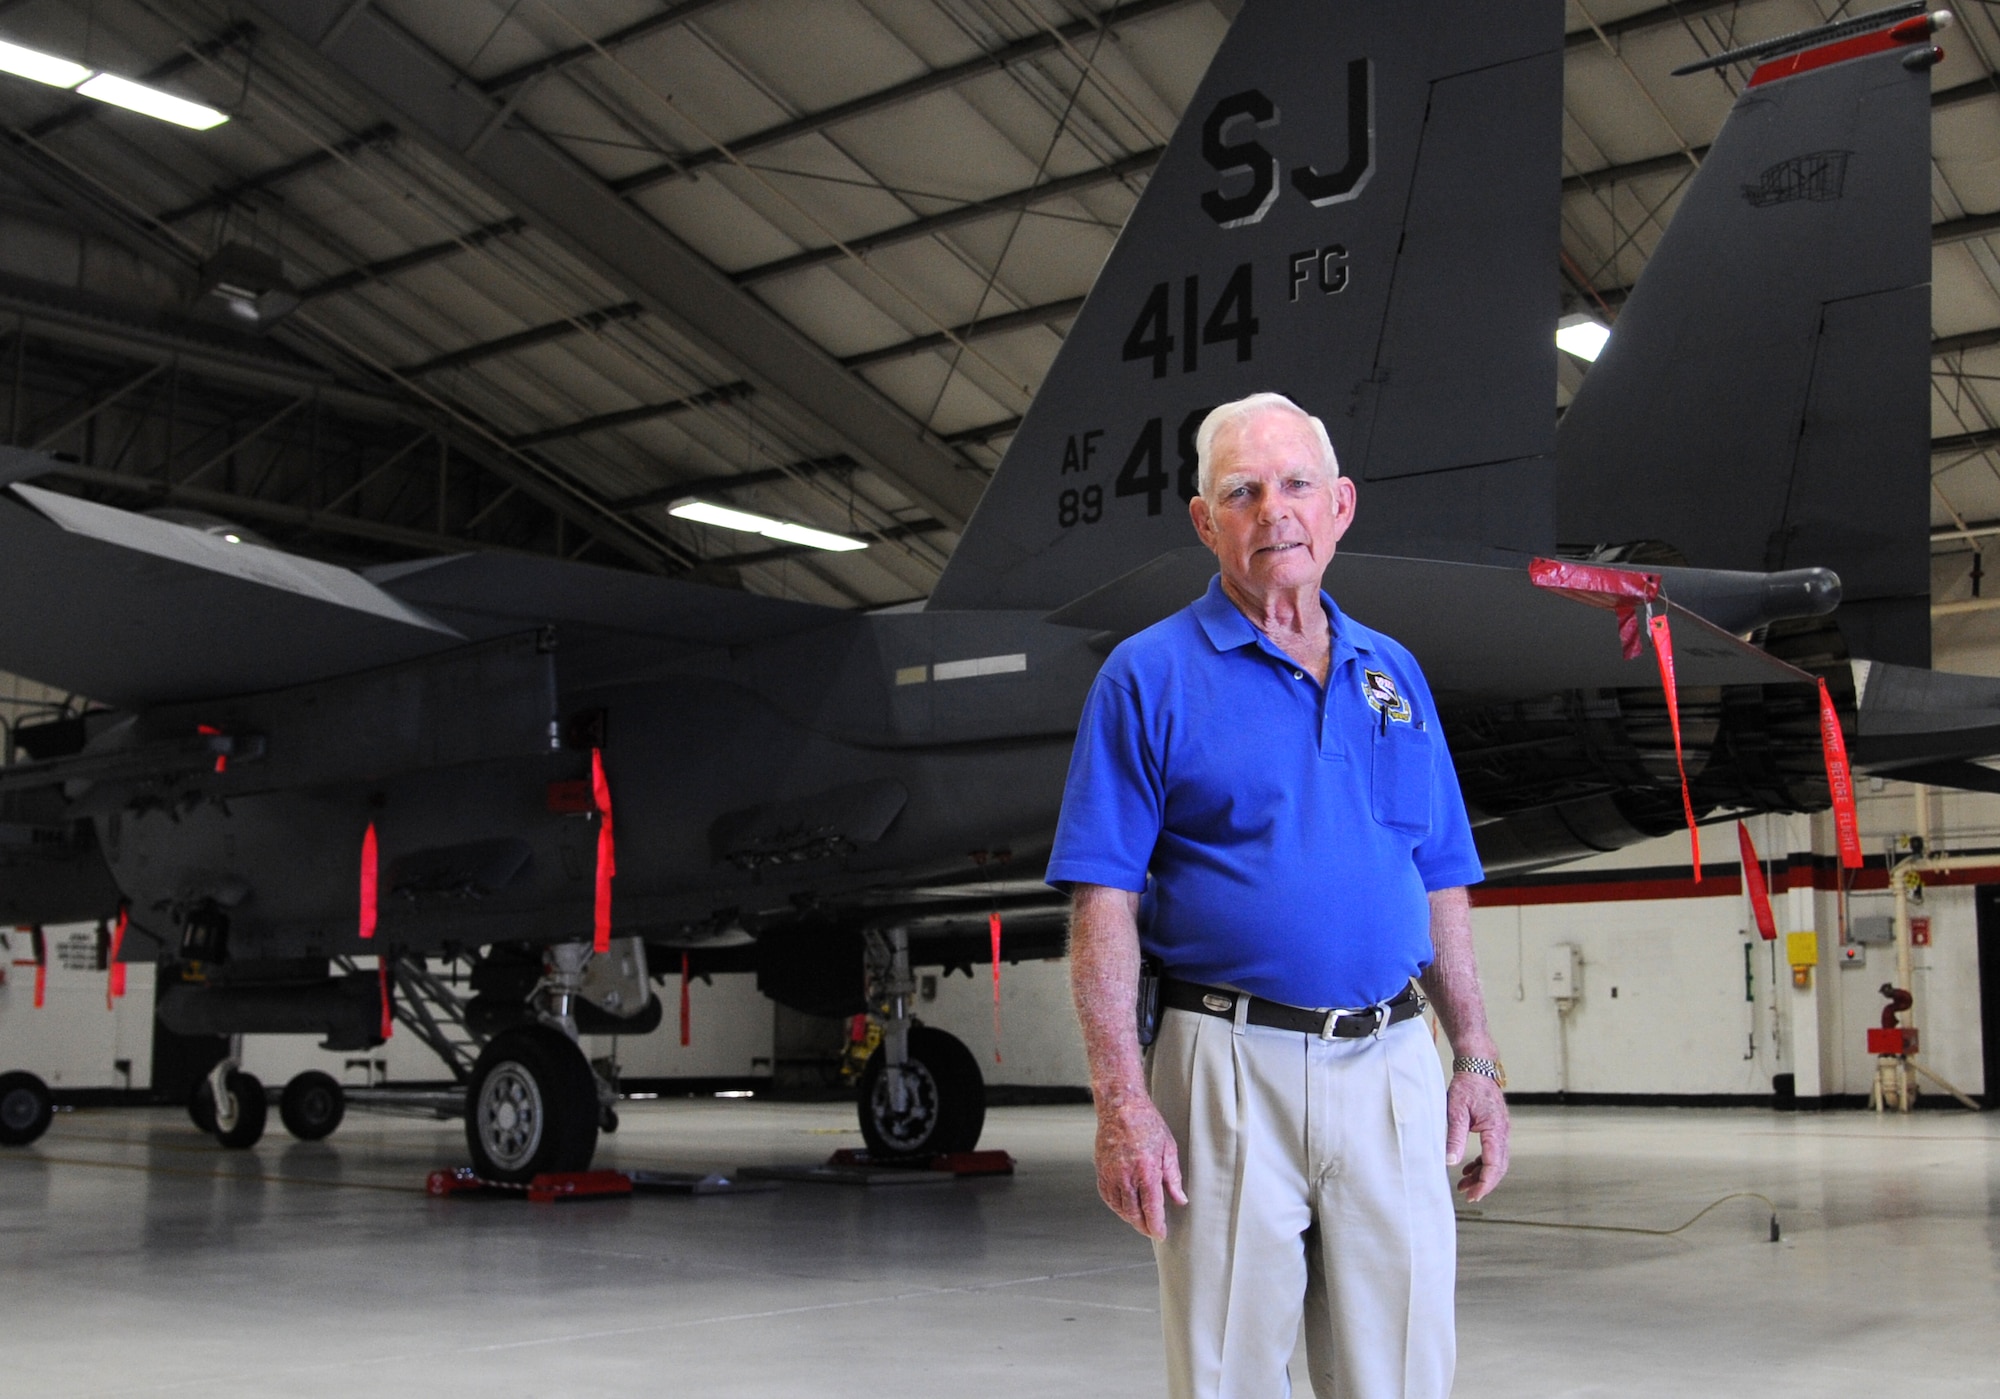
(974, 1163)
(953, 1163)
(578, 1185)
(545, 1188)
(461, 1181)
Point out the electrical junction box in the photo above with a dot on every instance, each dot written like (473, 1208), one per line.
(1565, 965)
(1802, 949)
(1876, 928)
(1854, 955)
(1902, 1040)
(1920, 932)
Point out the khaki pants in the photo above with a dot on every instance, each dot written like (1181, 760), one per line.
(1316, 1189)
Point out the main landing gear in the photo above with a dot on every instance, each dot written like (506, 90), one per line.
(921, 1093)
(533, 1104)
(531, 1101)
(25, 1109)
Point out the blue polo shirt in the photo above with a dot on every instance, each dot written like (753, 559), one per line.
(1291, 832)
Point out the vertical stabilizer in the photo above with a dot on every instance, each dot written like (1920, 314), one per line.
(1763, 400)
(1358, 210)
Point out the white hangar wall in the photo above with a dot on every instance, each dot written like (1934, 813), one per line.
(1676, 994)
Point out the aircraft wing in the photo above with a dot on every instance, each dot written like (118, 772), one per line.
(494, 594)
(1474, 628)
(133, 611)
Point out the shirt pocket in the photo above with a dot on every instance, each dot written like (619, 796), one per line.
(1401, 775)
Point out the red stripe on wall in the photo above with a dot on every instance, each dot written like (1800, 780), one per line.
(1724, 881)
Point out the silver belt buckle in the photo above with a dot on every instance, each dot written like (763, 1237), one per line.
(1332, 1018)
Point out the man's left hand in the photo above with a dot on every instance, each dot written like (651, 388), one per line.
(1474, 1103)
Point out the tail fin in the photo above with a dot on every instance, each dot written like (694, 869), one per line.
(1763, 402)
(1359, 210)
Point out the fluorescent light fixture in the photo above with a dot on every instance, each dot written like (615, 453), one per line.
(1582, 336)
(150, 101)
(40, 67)
(704, 512)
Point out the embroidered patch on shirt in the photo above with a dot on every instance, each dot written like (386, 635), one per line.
(1383, 697)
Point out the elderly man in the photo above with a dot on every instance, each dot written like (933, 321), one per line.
(1268, 781)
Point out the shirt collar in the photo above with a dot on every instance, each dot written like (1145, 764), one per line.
(1227, 628)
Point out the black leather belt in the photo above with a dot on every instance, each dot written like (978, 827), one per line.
(1327, 1024)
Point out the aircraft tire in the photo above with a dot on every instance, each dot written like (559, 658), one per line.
(313, 1105)
(25, 1109)
(530, 1107)
(201, 1109)
(948, 1110)
(252, 1112)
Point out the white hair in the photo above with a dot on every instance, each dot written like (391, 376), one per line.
(1204, 437)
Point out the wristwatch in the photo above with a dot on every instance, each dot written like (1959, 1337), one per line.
(1485, 1068)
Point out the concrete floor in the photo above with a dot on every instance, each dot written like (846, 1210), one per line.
(136, 1258)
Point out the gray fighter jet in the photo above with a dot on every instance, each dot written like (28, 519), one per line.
(1360, 210)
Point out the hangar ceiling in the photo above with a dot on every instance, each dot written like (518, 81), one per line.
(560, 263)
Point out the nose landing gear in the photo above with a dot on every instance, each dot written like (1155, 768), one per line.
(922, 1094)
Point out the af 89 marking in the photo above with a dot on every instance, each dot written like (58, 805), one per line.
(1144, 472)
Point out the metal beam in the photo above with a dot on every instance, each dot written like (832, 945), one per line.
(1965, 441)
(727, 393)
(1586, 180)
(1117, 170)
(1974, 529)
(1958, 344)
(248, 508)
(238, 441)
(938, 79)
(132, 382)
(1001, 324)
(381, 62)
(416, 257)
(80, 327)
(222, 198)
(1661, 17)
(525, 339)
(985, 432)
(644, 412)
(610, 43)
(1958, 230)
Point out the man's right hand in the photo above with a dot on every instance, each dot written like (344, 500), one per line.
(1138, 1165)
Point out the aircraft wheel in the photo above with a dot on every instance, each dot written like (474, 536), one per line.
(25, 1109)
(201, 1109)
(252, 1111)
(313, 1105)
(944, 1103)
(531, 1106)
